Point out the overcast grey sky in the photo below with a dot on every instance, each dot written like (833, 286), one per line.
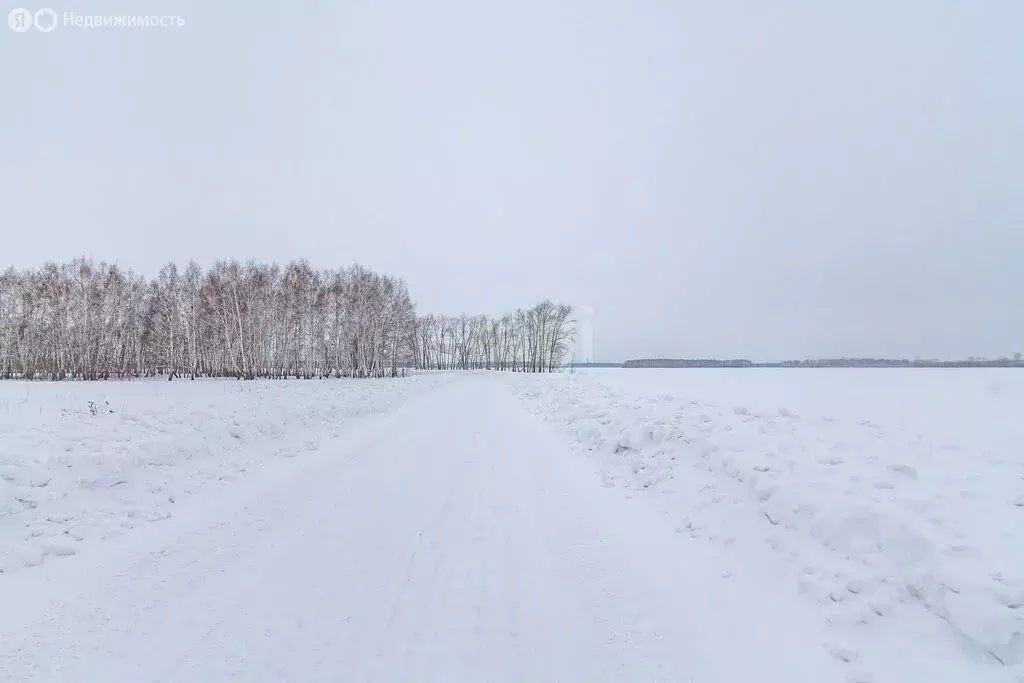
(783, 179)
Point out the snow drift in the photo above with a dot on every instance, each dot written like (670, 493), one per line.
(894, 498)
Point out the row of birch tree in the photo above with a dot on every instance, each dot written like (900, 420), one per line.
(87, 320)
(532, 340)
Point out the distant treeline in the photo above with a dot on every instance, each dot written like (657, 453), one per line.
(1015, 362)
(88, 320)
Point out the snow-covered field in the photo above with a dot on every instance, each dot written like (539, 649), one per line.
(616, 525)
(892, 499)
(453, 537)
(81, 462)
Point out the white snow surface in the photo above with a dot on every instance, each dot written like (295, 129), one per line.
(893, 500)
(452, 538)
(620, 525)
(71, 474)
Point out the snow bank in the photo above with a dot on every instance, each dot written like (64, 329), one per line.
(895, 498)
(81, 462)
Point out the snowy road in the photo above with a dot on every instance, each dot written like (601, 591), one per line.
(455, 539)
